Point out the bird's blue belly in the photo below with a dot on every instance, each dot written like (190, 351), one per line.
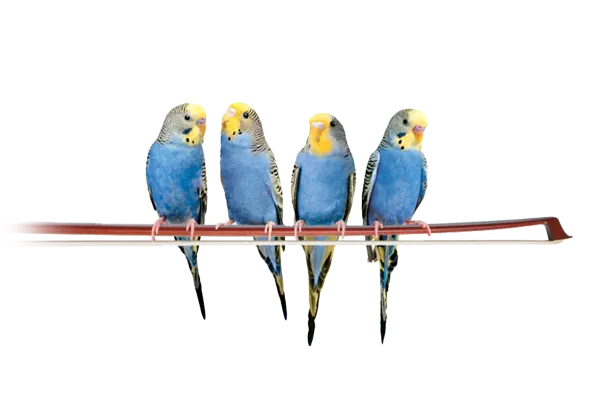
(247, 186)
(397, 187)
(177, 206)
(322, 191)
(174, 176)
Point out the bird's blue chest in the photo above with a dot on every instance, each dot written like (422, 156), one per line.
(397, 186)
(322, 188)
(247, 184)
(173, 175)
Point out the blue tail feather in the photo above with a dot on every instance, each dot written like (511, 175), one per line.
(192, 259)
(188, 251)
(269, 255)
(316, 259)
(388, 262)
(390, 259)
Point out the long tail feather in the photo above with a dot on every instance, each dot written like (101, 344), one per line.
(191, 255)
(280, 286)
(318, 261)
(272, 257)
(314, 295)
(388, 259)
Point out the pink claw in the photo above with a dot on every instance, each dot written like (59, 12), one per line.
(377, 225)
(341, 226)
(190, 227)
(298, 227)
(156, 227)
(422, 224)
(269, 229)
(227, 223)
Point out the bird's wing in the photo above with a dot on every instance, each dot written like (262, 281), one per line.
(203, 193)
(351, 187)
(423, 182)
(277, 193)
(276, 187)
(368, 184)
(295, 185)
(294, 179)
(149, 189)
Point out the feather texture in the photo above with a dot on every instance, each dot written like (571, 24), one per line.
(394, 187)
(177, 188)
(322, 192)
(251, 182)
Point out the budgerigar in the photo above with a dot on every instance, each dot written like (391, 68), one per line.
(176, 178)
(394, 187)
(323, 182)
(251, 182)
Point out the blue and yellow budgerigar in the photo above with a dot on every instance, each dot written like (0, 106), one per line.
(394, 187)
(323, 182)
(251, 182)
(176, 178)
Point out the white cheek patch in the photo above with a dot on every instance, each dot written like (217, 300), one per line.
(318, 125)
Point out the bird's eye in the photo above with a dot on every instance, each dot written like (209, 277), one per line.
(332, 124)
(187, 117)
(246, 115)
(405, 121)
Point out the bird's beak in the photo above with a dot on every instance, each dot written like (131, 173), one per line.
(320, 142)
(201, 123)
(316, 130)
(418, 130)
(230, 124)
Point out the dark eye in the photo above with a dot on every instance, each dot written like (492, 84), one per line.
(405, 121)
(187, 117)
(332, 123)
(246, 115)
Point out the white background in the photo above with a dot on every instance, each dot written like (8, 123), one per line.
(511, 92)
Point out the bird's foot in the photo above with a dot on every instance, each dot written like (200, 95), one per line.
(421, 224)
(269, 229)
(376, 226)
(190, 227)
(227, 223)
(156, 226)
(341, 226)
(298, 227)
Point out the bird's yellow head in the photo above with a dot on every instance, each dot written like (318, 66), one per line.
(406, 128)
(319, 137)
(239, 119)
(185, 124)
